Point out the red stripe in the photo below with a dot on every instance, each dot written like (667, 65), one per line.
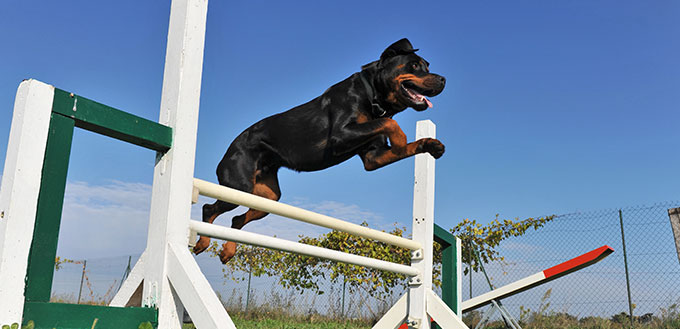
(579, 262)
(405, 326)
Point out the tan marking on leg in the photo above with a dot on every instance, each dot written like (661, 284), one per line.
(395, 135)
(267, 188)
(392, 155)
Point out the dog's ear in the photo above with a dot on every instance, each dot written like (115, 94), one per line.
(400, 47)
(369, 66)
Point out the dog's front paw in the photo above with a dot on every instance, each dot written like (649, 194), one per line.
(433, 146)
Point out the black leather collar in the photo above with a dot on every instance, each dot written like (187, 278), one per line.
(376, 109)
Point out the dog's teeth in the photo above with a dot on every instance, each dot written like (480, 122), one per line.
(423, 99)
(417, 97)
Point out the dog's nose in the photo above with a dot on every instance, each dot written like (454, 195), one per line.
(442, 79)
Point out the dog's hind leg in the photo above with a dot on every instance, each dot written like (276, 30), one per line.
(233, 172)
(266, 186)
(210, 212)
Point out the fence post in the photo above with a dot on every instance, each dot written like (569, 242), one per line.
(82, 277)
(250, 275)
(625, 263)
(674, 216)
(125, 273)
(344, 286)
(470, 264)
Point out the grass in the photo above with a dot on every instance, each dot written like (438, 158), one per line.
(249, 322)
(551, 321)
(542, 318)
(243, 323)
(566, 321)
(278, 313)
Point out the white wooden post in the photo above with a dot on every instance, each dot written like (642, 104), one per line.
(459, 278)
(19, 192)
(423, 231)
(171, 274)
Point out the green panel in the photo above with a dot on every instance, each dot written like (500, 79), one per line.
(449, 279)
(53, 315)
(449, 273)
(443, 237)
(50, 204)
(105, 120)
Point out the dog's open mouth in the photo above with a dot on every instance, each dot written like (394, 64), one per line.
(415, 94)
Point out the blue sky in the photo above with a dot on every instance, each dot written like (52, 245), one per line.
(550, 107)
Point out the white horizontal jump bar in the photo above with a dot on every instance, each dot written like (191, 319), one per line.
(253, 201)
(227, 233)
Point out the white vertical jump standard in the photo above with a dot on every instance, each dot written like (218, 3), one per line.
(421, 303)
(19, 194)
(170, 276)
(423, 230)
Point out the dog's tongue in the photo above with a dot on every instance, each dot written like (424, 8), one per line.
(422, 98)
(429, 104)
(419, 98)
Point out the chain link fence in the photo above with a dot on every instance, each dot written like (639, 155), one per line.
(650, 285)
(95, 281)
(602, 290)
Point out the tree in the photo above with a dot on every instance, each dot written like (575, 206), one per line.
(485, 238)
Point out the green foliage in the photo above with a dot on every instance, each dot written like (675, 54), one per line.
(29, 325)
(145, 325)
(373, 281)
(485, 238)
(258, 261)
(304, 273)
(60, 261)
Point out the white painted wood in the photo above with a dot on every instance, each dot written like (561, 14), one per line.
(395, 317)
(441, 314)
(131, 284)
(504, 291)
(226, 233)
(459, 281)
(253, 201)
(19, 192)
(423, 226)
(173, 173)
(203, 306)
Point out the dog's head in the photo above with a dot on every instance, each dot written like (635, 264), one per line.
(404, 79)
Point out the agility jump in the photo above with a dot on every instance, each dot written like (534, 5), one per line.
(42, 127)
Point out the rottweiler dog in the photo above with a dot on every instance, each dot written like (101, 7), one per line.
(353, 117)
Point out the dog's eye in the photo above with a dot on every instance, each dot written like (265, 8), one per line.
(415, 66)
